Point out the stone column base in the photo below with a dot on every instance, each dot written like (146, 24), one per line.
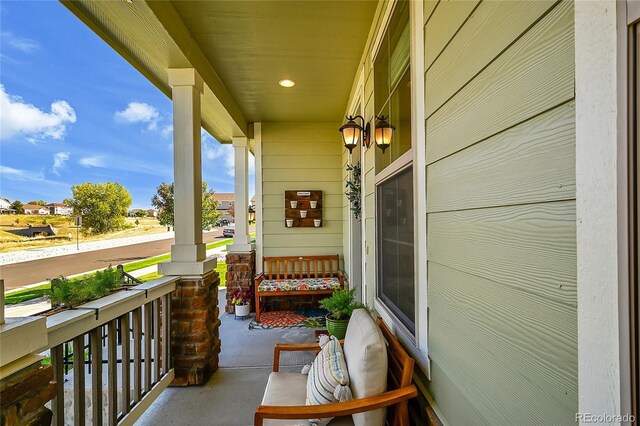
(241, 272)
(23, 395)
(195, 338)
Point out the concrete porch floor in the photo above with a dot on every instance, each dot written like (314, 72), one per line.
(230, 397)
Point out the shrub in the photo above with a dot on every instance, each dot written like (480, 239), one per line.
(67, 293)
(341, 304)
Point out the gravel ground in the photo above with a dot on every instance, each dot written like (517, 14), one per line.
(41, 253)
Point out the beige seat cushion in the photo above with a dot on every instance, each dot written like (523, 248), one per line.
(291, 389)
(366, 353)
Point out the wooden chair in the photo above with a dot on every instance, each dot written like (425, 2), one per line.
(396, 398)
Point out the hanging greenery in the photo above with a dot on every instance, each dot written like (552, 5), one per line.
(354, 188)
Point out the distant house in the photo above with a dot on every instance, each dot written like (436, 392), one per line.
(59, 209)
(225, 202)
(152, 213)
(36, 209)
(5, 207)
(136, 213)
(35, 231)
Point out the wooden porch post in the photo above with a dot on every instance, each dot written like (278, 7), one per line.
(188, 254)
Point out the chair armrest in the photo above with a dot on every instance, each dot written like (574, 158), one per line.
(334, 409)
(289, 347)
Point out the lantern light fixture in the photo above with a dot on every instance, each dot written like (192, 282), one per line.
(383, 133)
(353, 132)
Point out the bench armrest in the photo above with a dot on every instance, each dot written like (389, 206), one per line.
(340, 276)
(334, 409)
(297, 347)
(294, 347)
(259, 277)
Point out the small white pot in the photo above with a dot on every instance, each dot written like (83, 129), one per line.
(289, 223)
(243, 310)
(303, 213)
(314, 204)
(317, 222)
(294, 204)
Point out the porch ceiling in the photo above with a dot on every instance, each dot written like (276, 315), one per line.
(242, 49)
(253, 45)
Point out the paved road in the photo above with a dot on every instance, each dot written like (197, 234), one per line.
(35, 271)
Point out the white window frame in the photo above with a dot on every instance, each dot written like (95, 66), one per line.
(416, 157)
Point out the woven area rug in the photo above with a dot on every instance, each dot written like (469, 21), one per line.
(301, 318)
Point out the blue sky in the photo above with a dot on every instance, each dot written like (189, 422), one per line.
(73, 111)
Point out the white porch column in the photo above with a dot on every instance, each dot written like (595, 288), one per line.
(241, 240)
(189, 252)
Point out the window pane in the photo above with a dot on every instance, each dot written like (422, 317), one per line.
(395, 246)
(400, 107)
(381, 76)
(399, 42)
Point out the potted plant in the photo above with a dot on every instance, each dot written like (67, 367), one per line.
(340, 305)
(241, 300)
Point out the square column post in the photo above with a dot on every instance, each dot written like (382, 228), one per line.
(241, 240)
(189, 252)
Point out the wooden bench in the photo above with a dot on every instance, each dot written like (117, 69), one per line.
(297, 276)
(399, 390)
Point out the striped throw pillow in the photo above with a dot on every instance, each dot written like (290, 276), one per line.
(328, 379)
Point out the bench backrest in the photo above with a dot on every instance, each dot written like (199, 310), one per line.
(283, 267)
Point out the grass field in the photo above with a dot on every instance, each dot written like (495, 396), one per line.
(35, 292)
(64, 227)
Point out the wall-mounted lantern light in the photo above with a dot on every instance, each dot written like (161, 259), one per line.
(384, 133)
(353, 133)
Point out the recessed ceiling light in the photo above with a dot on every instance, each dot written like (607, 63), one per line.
(287, 83)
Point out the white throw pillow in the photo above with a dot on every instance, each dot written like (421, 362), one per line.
(328, 379)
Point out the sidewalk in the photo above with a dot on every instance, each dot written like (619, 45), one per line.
(45, 252)
(41, 304)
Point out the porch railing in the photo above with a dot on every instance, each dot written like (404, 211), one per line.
(129, 333)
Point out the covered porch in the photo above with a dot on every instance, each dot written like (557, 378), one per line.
(479, 226)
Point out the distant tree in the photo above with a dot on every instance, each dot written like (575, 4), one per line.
(232, 210)
(137, 222)
(103, 206)
(141, 213)
(38, 202)
(210, 213)
(18, 206)
(163, 202)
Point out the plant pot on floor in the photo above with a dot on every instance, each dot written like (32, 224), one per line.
(336, 327)
(243, 310)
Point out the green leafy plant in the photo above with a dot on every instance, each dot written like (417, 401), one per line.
(73, 293)
(341, 304)
(354, 188)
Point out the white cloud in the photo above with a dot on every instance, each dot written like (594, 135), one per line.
(59, 159)
(139, 112)
(92, 161)
(212, 150)
(167, 131)
(20, 118)
(18, 174)
(22, 44)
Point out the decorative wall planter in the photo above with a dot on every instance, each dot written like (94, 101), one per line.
(303, 209)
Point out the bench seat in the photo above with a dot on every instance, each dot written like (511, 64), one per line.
(291, 389)
(297, 276)
(300, 284)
